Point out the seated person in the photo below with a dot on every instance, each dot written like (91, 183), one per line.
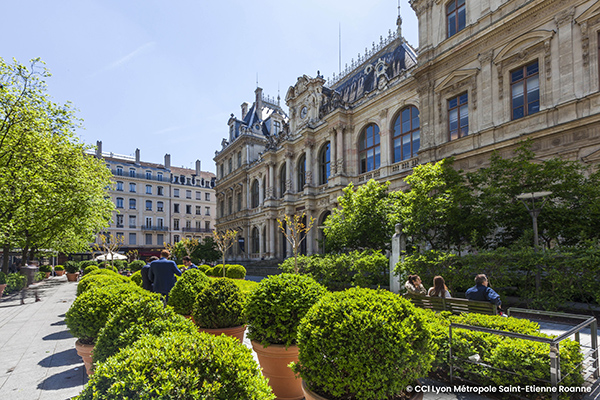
(439, 288)
(481, 291)
(414, 285)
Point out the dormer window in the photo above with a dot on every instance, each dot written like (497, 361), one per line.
(456, 17)
(276, 127)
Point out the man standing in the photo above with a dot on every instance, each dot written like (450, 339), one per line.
(187, 261)
(146, 282)
(162, 274)
(481, 291)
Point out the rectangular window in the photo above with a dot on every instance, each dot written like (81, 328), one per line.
(132, 204)
(230, 204)
(175, 224)
(159, 176)
(160, 239)
(188, 224)
(175, 208)
(148, 205)
(525, 91)
(131, 172)
(188, 209)
(208, 210)
(188, 194)
(456, 16)
(198, 210)
(120, 186)
(176, 238)
(207, 225)
(159, 191)
(276, 127)
(198, 195)
(458, 116)
(148, 238)
(148, 222)
(120, 171)
(132, 221)
(229, 164)
(198, 225)
(132, 238)
(119, 202)
(148, 189)
(132, 187)
(160, 222)
(120, 237)
(159, 206)
(148, 174)
(175, 192)
(119, 221)
(207, 197)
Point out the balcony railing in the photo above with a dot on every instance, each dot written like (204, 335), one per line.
(154, 228)
(201, 230)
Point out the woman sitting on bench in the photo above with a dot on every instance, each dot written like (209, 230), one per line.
(414, 285)
(439, 288)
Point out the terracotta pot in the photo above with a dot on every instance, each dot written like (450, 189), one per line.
(59, 273)
(72, 277)
(85, 352)
(48, 275)
(235, 331)
(310, 395)
(2, 287)
(274, 361)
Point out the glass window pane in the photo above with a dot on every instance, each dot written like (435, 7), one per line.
(517, 112)
(397, 150)
(451, 24)
(363, 163)
(517, 95)
(464, 98)
(533, 107)
(453, 119)
(516, 75)
(405, 120)
(361, 142)
(532, 69)
(451, 7)
(462, 18)
(464, 116)
(533, 88)
(416, 142)
(415, 118)
(460, 3)
(377, 158)
(370, 136)
(398, 126)
(452, 103)
(370, 157)
(376, 137)
(406, 147)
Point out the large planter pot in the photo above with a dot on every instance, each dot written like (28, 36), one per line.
(235, 331)
(72, 277)
(2, 287)
(274, 361)
(48, 275)
(59, 273)
(310, 395)
(85, 352)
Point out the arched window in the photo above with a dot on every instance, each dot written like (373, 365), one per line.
(255, 241)
(254, 194)
(324, 164)
(369, 152)
(301, 173)
(282, 180)
(321, 228)
(406, 134)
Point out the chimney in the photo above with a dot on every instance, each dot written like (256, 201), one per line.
(198, 168)
(99, 148)
(258, 102)
(137, 156)
(167, 161)
(244, 109)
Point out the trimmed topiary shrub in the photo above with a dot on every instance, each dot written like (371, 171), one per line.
(204, 268)
(15, 282)
(100, 280)
(99, 271)
(183, 295)
(235, 271)
(90, 269)
(90, 311)
(45, 268)
(363, 344)
(136, 265)
(218, 270)
(135, 318)
(120, 264)
(59, 268)
(219, 305)
(87, 263)
(179, 365)
(275, 308)
(40, 276)
(136, 278)
(71, 267)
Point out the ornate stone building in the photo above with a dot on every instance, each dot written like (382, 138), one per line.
(488, 73)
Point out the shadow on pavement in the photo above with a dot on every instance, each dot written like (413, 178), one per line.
(66, 357)
(58, 336)
(58, 323)
(63, 380)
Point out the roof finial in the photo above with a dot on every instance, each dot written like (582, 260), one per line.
(399, 22)
(257, 79)
(278, 98)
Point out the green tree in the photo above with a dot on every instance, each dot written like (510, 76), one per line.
(52, 194)
(365, 219)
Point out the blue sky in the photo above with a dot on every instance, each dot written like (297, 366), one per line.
(164, 76)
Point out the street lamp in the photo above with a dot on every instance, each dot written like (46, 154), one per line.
(535, 212)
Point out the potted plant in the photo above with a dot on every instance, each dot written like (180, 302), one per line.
(183, 295)
(72, 269)
(273, 312)
(380, 345)
(59, 270)
(2, 283)
(47, 270)
(219, 308)
(90, 311)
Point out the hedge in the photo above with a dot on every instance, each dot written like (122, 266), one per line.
(15, 282)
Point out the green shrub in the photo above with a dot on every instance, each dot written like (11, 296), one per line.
(100, 280)
(134, 318)
(183, 295)
(90, 311)
(179, 366)
(219, 305)
(204, 268)
(218, 270)
(136, 265)
(45, 268)
(15, 282)
(71, 267)
(87, 263)
(39, 276)
(136, 278)
(363, 344)
(235, 271)
(59, 268)
(90, 269)
(98, 271)
(275, 308)
(2, 278)
(120, 265)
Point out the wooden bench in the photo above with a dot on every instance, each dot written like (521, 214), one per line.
(454, 305)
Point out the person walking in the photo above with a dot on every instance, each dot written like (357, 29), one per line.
(162, 274)
(146, 282)
(439, 288)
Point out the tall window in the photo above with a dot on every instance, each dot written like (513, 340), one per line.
(132, 187)
(229, 165)
(207, 196)
(160, 238)
(207, 225)
(207, 211)
(254, 193)
(230, 205)
(198, 195)
(148, 238)
(159, 176)
(176, 238)
(120, 186)
(148, 205)
(188, 209)
(159, 206)
(276, 127)
(175, 224)
(119, 202)
(175, 192)
(159, 190)
(525, 90)
(175, 208)
(148, 222)
(255, 241)
(282, 180)
(160, 222)
(132, 172)
(148, 189)
(407, 134)
(301, 173)
(368, 149)
(456, 16)
(119, 171)
(324, 164)
(132, 221)
(132, 204)
(239, 159)
(132, 238)
(239, 201)
(148, 174)
(198, 210)
(119, 221)
(188, 194)
(458, 116)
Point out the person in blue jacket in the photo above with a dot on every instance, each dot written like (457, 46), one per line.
(481, 291)
(146, 282)
(162, 274)
(187, 261)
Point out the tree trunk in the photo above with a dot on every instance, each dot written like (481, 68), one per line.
(5, 257)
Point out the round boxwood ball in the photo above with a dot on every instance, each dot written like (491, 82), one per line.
(219, 305)
(274, 309)
(363, 344)
(183, 295)
(98, 280)
(136, 265)
(235, 271)
(136, 278)
(179, 365)
(89, 269)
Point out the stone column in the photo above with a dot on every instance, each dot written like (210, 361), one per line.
(398, 246)
(272, 180)
(564, 23)
(260, 241)
(271, 228)
(385, 144)
(486, 97)
(261, 197)
(333, 151)
(340, 149)
(309, 163)
(289, 186)
(310, 236)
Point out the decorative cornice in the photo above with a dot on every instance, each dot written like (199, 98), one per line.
(565, 16)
